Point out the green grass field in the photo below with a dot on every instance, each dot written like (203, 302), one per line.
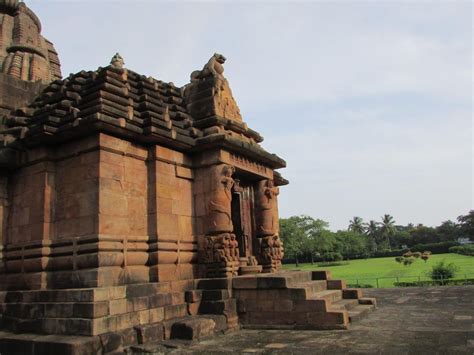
(387, 270)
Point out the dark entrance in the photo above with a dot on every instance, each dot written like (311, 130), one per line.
(242, 217)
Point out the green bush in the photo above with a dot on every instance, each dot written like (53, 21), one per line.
(434, 248)
(463, 249)
(333, 263)
(460, 282)
(386, 253)
(442, 271)
(407, 261)
(332, 257)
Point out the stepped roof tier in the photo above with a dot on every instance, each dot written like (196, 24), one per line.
(113, 99)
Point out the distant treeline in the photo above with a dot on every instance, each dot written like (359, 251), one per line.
(307, 239)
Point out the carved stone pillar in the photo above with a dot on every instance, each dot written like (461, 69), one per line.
(219, 248)
(270, 250)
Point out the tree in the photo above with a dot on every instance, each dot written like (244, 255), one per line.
(466, 225)
(448, 230)
(351, 244)
(357, 225)
(302, 235)
(293, 237)
(423, 235)
(372, 231)
(320, 239)
(400, 239)
(387, 229)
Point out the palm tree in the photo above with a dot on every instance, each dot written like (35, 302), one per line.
(357, 225)
(372, 230)
(387, 228)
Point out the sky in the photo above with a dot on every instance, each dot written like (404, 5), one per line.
(369, 102)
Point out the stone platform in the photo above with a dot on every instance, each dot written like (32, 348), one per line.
(103, 320)
(416, 320)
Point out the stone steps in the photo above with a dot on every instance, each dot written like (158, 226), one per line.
(312, 287)
(360, 311)
(298, 300)
(215, 298)
(330, 296)
(344, 304)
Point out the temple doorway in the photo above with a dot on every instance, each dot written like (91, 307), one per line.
(243, 217)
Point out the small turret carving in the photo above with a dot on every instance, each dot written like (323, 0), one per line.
(213, 68)
(117, 61)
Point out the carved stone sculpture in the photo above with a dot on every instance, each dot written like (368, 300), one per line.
(220, 254)
(234, 248)
(209, 93)
(266, 201)
(213, 68)
(270, 253)
(219, 207)
(117, 61)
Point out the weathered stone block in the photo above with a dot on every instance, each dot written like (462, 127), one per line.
(138, 303)
(368, 301)
(245, 282)
(157, 314)
(91, 310)
(149, 333)
(215, 295)
(213, 284)
(160, 300)
(57, 310)
(193, 296)
(175, 311)
(177, 298)
(271, 282)
(193, 329)
(310, 306)
(117, 307)
(110, 342)
(336, 284)
(218, 307)
(352, 293)
(321, 275)
(193, 308)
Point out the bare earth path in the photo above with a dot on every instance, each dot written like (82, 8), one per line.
(434, 320)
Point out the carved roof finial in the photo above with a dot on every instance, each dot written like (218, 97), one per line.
(117, 61)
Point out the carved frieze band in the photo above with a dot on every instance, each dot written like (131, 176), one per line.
(247, 164)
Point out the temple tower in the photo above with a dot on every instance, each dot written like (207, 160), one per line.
(28, 61)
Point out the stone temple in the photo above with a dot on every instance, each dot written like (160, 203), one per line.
(134, 211)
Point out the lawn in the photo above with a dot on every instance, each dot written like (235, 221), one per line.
(387, 270)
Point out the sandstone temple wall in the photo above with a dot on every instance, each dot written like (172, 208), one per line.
(99, 211)
(171, 215)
